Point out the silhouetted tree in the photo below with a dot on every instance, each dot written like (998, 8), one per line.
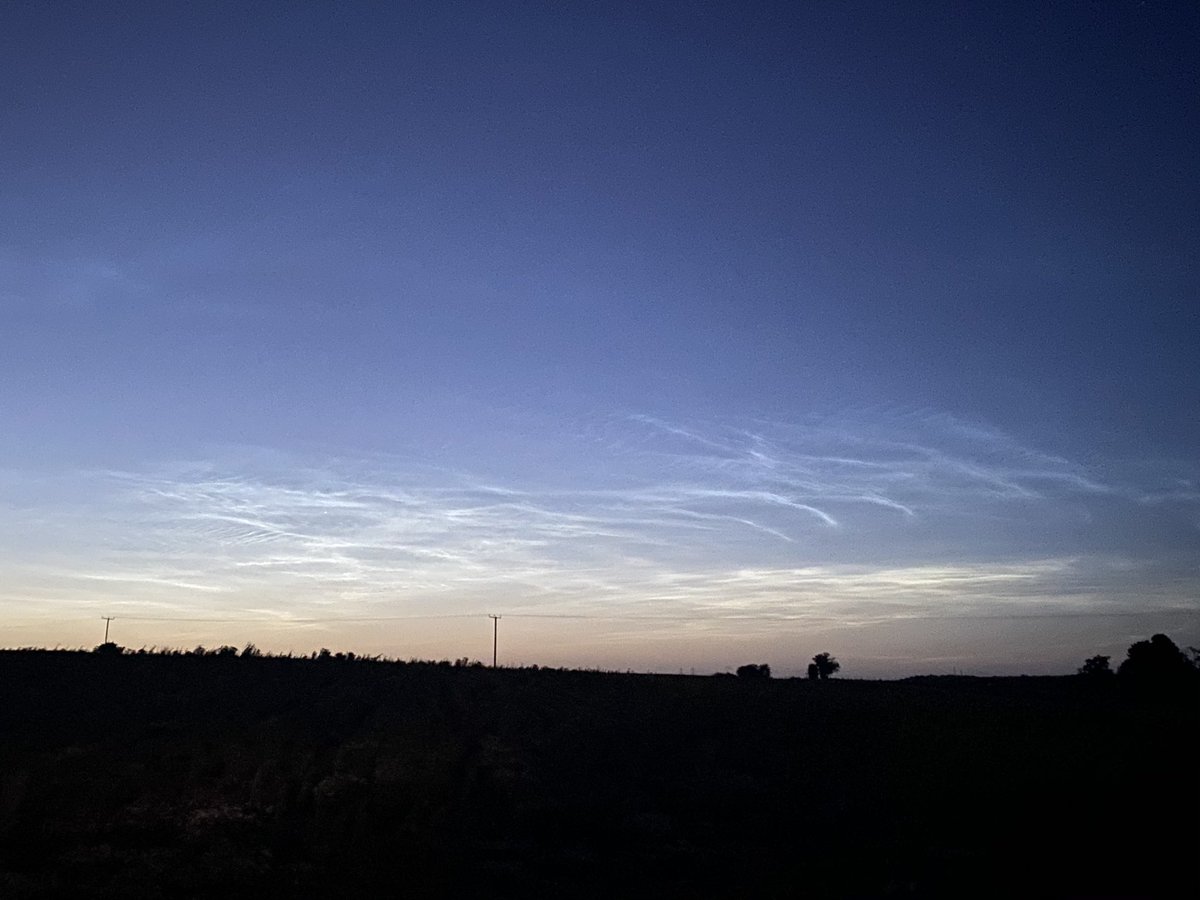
(108, 648)
(1157, 659)
(814, 671)
(825, 665)
(761, 670)
(1096, 665)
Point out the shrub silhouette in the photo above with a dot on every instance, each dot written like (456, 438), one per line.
(108, 648)
(1096, 666)
(762, 670)
(823, 666)
(1157, 659)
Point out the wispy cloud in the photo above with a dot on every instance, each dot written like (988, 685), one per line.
(909, 462)
(916, 515)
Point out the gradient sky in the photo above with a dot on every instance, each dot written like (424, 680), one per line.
(683, 335)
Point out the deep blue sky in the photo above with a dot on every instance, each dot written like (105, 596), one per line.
(857, 288)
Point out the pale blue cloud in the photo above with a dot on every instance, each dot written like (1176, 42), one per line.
(833, 524)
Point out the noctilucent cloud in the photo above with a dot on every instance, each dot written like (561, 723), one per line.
(679, 335)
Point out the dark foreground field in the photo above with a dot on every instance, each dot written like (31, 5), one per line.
(151, 776)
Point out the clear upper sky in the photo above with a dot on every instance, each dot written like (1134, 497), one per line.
(737, 331)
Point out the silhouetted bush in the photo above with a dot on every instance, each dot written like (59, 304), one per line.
(823, 666)
(762, 670)
(1156, 660)
(1096, 666)
(109, 649)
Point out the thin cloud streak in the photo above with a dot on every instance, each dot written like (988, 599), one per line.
(819, 525)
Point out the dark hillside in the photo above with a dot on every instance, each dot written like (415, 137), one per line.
(150, 776)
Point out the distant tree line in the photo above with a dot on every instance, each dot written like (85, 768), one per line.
(823, 666)
(761, 670)
(1157, 660)
(250, 651)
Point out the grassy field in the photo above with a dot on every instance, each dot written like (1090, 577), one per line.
(154, 775)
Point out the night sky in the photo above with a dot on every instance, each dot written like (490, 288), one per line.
(683, 335)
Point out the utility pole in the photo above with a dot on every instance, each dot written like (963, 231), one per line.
(107, 622)
(495, 632)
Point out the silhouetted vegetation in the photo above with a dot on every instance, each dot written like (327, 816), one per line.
(762, 670)
(1097, 666)
(1156, 661)
(205, 774)
(823, 666)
